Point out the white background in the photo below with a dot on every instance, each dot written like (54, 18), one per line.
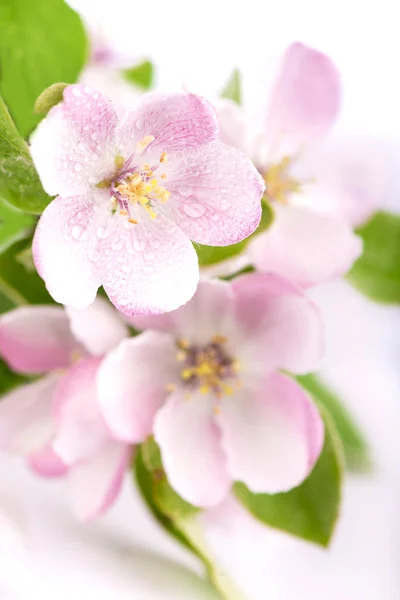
(44, 552)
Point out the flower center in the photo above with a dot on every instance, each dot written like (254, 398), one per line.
(209, 368)
(135, 187)
(279, 184)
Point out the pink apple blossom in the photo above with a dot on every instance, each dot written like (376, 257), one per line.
(205, 380)
(318, 191)
(132, 195)
(55, 421)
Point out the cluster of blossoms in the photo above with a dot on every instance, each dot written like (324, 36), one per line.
(205, 375)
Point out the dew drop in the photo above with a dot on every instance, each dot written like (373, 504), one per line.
(102, 232)
(194, 209)
(76, 92)
(81, 146)
(78, 167)
(76, 232)
(93, 255)
(186, 190)
(225, 204)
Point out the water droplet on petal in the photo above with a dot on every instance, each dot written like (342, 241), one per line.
(102, 232)
(185, 190)
(78, 167)
(224, 204)
(194, 209)
(76, 232)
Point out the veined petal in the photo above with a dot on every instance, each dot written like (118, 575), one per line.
(273, 437)
(26, 422)
(99, 327)
(95, 483)
(305, 247)
(176, 121)
(36, 339)
(73, 147)
(147, 268)
(200, 318)
(47, 463)
(65, 249)
(80, 428)
(306, 96)
(190, 445)
(215, 194)
(277, 326)
(131, 383)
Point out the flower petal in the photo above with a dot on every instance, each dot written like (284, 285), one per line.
(81, 430)
(277, 326)
(350, 178)
(271, 439)
(99, 327)
(190, 445)
(306, 96)
(47, 463)
(36, 339)
(65, 249)
(72, 148)
(305, 247)
(232, 125)
(26, 422)
(131, 384)
(177, 122)
(147, 268)
(200, 318)
(95, 483)
(215, 194)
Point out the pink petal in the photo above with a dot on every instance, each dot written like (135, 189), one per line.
(26, 422)
(131, 384)
(99, 327)
(190, 445)
(306, 99)
(147, 268)
(47, 463)
(232, 125)
(215, 194)
(36, 339)
(350, 178)
(95, 483)
(271, 439)
(81, 430)
(277, 326)
(200, 318)
(65, 249)
(72, 148)
(177, 122)
(305, 247)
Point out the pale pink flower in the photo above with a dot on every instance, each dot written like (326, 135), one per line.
(55, 421)
(204, 379)
(319, 189)
(133, 194)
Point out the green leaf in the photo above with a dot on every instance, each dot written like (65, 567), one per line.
(49, 98)
(177, 516)
(309, 511)
(141, 75)
(211, 255)
(14, 225)
(233, 88)
(377, 272)
(19, 182)
(10, 380)
(42, 42)
(355, 448)
(17, 284)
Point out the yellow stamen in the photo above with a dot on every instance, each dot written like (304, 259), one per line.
(180, 357)
(218, 339)
(164, 158)
(164, 176)
(134, 221)
(183, 344)
(123, 213)
(187, 373)
(280, 185)
(204, 389)
(119, 161)
(113, 200)
(217, 409)
(144, 143)
(170, 387)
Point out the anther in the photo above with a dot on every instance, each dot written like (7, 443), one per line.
(134, 221)
(164, 158)
(144, 143)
